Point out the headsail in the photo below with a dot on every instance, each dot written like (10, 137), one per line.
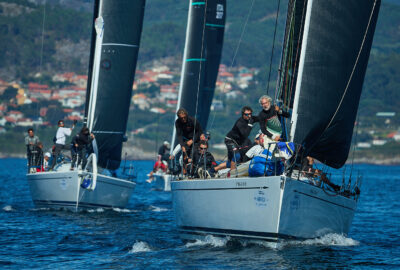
(202, 56)
(119, 27)
(335, 49)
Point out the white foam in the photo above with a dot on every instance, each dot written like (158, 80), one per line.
(124, 210)
(209, 240)
(140, 246)
(8, 208)
(157, 209)
(97, 210)
(327, 240)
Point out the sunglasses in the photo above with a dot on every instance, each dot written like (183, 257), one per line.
(247, 114)
(203, 148)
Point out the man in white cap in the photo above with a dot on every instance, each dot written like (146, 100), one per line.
(163, 151)
(46, 160)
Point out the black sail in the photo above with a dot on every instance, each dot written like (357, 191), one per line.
(110, 100)
(331, 76)
(214, 33)
(203, 48)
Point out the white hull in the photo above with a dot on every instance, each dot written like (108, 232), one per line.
(162, 181)
(267, 208)
(63, 190)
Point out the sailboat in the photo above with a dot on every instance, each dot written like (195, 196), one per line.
(117, 28)
(324, 59)
(201, 59)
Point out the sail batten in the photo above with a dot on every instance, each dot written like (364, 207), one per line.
(334, 57)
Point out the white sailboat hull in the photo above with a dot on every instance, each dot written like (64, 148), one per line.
(63, 190)
(266, 208)
(162, 181)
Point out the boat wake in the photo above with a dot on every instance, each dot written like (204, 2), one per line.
(124, 210)
(209, 240)
(97, 210)
(8, 208)
(140, 246)
(326, 240)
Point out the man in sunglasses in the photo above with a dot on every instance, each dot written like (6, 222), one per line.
(188, 131)
(203, 162)
(237, 141)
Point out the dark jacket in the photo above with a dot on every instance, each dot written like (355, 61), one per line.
(199, 160)
(186, 131)
(241, 130)
(82, 140)
(270, 115)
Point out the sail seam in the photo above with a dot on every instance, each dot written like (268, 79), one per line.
(120, 44)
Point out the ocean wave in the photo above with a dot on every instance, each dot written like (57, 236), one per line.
(209, 240)
(158, 209)
(40, 209)
(140, 246)
(8, 208)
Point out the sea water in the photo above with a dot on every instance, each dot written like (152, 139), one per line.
(144, 235)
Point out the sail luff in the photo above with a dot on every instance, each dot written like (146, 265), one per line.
(300, 71)
(185, 56)
(96, 6)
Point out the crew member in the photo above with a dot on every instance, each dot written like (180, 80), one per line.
(237, 141)
(188, 132)
(270, 124)
(61, 135)
(30, 141)
(79, 146)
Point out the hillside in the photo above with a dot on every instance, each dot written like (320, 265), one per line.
(54, 38)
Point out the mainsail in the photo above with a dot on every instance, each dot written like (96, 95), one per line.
(111, 73)
(202, 56)
(335, 49)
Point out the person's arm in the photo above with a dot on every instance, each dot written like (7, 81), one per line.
(281, 112)
(67, 131)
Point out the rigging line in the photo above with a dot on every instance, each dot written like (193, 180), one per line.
(236, 52)
(351, 76)
(200, 69)
(354, 145)
(273, 46)
(41, 49)
(41, 52)
(297, 50)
